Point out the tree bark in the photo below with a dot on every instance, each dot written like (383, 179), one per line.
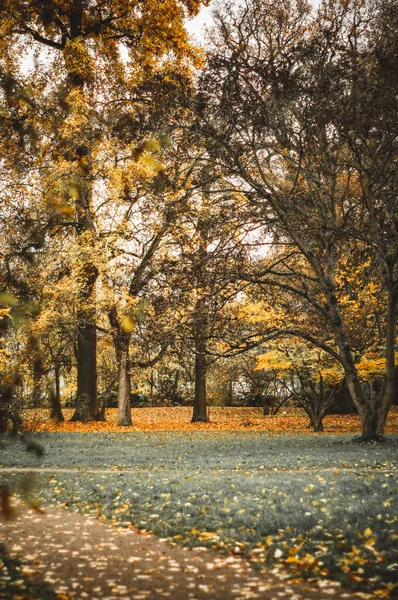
(86, 402)
(200, 399)
(36, 388)
(56, 409)
(6, 394)
(124, 383)
(388, 392)
(230, 393)
(317, 424)
(78, 151)
(121, 342)
(370, 430)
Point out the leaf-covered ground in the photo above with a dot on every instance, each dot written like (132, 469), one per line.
(287, 421)
(15, 580)
(322, 506)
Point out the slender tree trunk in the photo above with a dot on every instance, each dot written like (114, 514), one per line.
(6, 396)
(230, 393)
(104, 406)
(124, 381)
(200, 399)
(36, 388)
(121, 342)
(175, 385)
(56, 409)
(151, 386)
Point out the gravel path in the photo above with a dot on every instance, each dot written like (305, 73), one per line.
(81, 557)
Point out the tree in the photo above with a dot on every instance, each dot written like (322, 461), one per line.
(208, 250)
(81, 43)
(303, 371)
(280, 108)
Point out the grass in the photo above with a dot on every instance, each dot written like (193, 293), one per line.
(318, 505)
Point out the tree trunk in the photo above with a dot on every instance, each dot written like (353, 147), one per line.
(104, 406)
(366, 406)
(388, 393)
(230, 393)
(124, 381)
(315, 416)
(317, 424)
(6, 394)
(151, 386)
(175, 386)
(86, 402)
(78, 153)
(200, 400)
(36, 388)
(56, 410)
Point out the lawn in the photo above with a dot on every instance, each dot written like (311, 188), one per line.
(320, 506)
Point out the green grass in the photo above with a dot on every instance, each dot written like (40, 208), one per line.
(321, 506)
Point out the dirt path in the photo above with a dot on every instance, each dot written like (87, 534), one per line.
(82, 557)
(123, 470)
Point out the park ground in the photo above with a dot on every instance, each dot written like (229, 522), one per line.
(178, 418)
(316, 508)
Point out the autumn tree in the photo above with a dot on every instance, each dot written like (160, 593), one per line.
(298, 106)
(307, 375)
(211, 251)
(79, 44)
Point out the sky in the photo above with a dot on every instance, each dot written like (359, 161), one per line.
(196, 26)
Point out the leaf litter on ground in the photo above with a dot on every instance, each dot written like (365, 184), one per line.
(321, 506)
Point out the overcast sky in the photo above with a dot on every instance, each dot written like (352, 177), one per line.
(196, 26)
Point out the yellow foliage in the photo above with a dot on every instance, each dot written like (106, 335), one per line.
(151, 163)
(372, 364)
(295, 353)
(8, 299)
(127, 324)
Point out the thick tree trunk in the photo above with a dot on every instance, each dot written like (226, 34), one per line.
(388, 393)
(124, 381)
(369, 418)
(56, 409)
(78, 151)
(86, 402)
(368, 424)
(200, 399)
